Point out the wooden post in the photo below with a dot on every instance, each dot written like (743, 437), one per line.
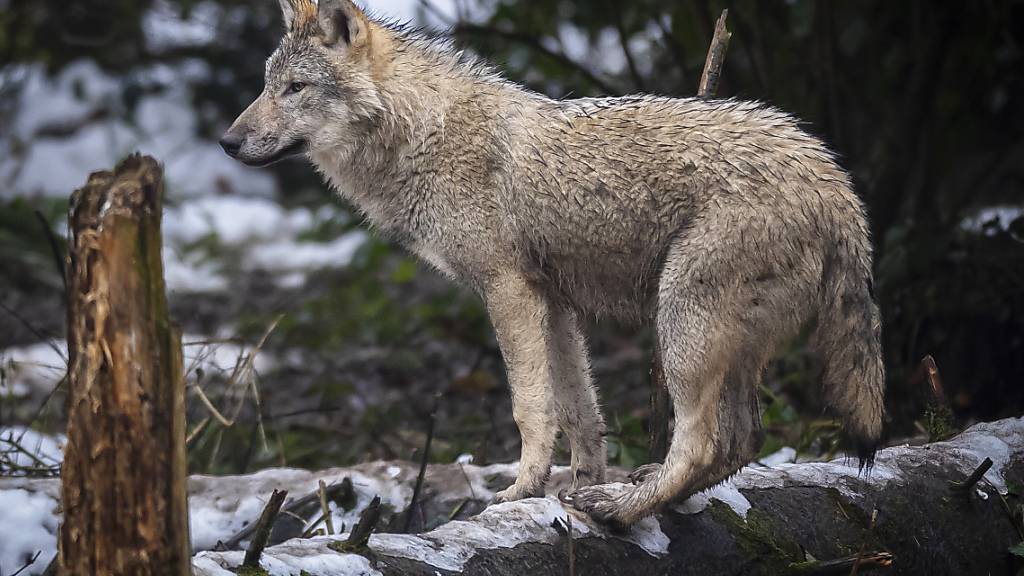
(124, 471)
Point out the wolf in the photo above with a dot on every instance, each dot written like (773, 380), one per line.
(720, 222)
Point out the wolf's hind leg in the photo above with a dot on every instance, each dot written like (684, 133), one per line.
(712, 377)
(579, 415)
(521, 318)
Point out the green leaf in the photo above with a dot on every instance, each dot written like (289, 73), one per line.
(1015, 489)
(1017, 550)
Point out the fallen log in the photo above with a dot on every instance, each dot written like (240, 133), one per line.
(805, 518)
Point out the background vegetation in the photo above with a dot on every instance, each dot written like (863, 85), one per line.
(922, 101)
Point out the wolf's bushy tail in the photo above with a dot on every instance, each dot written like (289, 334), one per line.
(848, 337)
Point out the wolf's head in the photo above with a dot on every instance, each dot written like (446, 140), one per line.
(318, 86)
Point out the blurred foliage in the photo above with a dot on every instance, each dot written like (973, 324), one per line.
(922, 101)
(26, 257)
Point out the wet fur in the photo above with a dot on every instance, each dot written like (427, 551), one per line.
(720, 221)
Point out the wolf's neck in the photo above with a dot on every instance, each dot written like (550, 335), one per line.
(380, 172)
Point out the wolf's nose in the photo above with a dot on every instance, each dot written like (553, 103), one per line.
(231, 143)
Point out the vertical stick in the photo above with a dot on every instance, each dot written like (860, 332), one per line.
(124, 471)
(264, 526)
(715, 59)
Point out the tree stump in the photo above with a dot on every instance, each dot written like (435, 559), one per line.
(124, 471)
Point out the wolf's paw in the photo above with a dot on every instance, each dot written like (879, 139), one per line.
(599, 504)
(641, 474)
(516, 492)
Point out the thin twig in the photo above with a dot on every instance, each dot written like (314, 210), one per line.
(58, 255)
(568, 538)
(209, 406)
(634, 71)
(716, 57)
(313, 525)
(564, 528)
(325, 508)
(35, 332)
(458, 509)
(864, 543)
(360, 535)
(367, 523)
(197, 430)
(425, 457)
(931, 371)
(441, 16)
(30, 562)
(338, 491)
(263, 527)
(869, 561)
(971, 480)
(534, 43)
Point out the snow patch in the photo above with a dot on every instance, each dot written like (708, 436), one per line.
(166, 28)
(784, 455)
(998, 217)
(28, 525)
(34, 368)
(726, 493)
(74, 123)
(267, 235)
(506, 525)
(222, 506)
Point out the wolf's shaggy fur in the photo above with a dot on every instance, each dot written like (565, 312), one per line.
(720, 221)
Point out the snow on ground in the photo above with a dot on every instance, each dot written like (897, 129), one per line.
(28, 525)
(220, 506)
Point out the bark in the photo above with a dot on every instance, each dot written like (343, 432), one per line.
(124, 471)
(715, 59)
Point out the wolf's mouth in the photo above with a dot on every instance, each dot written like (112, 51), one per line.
(294, 149)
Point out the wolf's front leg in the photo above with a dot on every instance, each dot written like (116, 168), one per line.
(579, 416)
(521, 318)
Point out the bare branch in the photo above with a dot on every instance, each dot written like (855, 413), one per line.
(716, 57)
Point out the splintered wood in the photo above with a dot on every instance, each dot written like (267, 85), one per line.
(124, 469)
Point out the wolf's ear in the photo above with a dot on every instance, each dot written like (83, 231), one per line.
(342, 21)
(288, 12)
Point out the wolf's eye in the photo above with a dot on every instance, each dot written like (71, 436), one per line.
(296, 87)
